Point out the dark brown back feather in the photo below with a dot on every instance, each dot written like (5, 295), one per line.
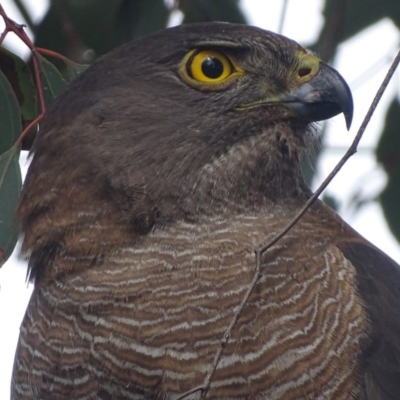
(379, 285)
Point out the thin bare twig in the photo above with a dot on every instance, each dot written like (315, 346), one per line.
(204, 388)
(191, 391)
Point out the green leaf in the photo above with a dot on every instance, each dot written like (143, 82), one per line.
(96, 33)
(52, 80)
(331, 201)
(20, 78)
(388, 155)
(10, 189)
(10, 116)
(138, 18)
(74, 69)
(388, 148)
(346, 18)
(203, 11)
(390, 201)
(10, 174)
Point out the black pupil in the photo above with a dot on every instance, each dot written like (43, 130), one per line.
(212, 67)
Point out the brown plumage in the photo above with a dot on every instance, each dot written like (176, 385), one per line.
(154, 178)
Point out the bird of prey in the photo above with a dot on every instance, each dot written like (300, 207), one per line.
(154, 178)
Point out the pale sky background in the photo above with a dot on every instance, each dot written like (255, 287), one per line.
(372, 50)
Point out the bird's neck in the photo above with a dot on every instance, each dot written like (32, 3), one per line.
(72, 226)
(257, 173)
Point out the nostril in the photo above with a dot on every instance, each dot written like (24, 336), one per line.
(304, 71)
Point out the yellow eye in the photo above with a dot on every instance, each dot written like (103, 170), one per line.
(209, 66)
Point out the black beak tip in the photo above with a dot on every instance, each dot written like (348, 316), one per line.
(347, 104)
(341, 92)
(348, 113)
(349, 118)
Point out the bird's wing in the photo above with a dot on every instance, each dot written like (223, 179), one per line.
(379, 286)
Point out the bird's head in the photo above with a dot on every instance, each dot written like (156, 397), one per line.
(196, 119)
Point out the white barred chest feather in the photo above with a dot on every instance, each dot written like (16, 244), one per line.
(150, 319)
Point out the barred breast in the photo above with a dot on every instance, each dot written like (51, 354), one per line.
(147, 320)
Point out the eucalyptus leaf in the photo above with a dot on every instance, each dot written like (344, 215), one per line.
(388, 155)
(74, 69)
(19, 75)
(203, 11)
(10, 116)
(138, 18)
(10, 189)
(53, 82)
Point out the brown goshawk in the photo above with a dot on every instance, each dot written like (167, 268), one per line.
(154, 177)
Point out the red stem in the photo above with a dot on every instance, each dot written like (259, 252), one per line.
(18, 29)
(53, 54)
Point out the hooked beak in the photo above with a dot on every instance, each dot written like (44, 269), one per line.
(323, 96)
